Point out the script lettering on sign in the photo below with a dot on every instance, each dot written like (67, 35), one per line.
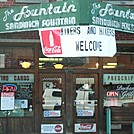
(126, 92)
(108, 15)
(32, 17)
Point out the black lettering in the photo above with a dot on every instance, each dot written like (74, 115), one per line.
(91, 30)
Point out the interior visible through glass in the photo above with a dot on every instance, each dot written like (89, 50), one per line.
(85, 98)
(52, 97)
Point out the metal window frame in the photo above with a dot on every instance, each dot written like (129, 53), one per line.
(31, 1)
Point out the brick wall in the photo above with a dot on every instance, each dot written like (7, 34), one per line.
(124, 36)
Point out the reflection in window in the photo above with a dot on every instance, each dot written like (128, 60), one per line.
(119, 90)
(84, 101)
(120, 61)
(52, 97)
(71, 62)
(12, 57)
(21, 86)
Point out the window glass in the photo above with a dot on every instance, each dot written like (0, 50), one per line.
(121, 61)
(13, 57)
(85, 98)
(118, 90)
(52, 97)
(71, 62)
(16, 94)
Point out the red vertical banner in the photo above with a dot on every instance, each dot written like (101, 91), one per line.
(51, 42)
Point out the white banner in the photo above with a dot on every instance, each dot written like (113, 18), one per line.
(78, 41)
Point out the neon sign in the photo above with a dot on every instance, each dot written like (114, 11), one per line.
(112, 93)
(9, 88)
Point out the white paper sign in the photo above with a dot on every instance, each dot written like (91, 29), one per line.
(78, 41)
(51, 128)
(85, 127)
(7, 100)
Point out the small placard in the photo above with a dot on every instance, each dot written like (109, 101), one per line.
(85, 112)
(52, 113)
(51, 128)
(85, 127)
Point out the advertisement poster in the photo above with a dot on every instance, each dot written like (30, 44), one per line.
(51, 128)
(7, 100)
(85, 127)
(78, 41)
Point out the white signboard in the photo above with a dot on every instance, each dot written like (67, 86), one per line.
(7, 100)
(51, 128)
(78, 41)
(85, 127)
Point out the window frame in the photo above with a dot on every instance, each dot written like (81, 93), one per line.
(120, 2)
(31, 1)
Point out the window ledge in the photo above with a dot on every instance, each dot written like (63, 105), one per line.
(120, 2)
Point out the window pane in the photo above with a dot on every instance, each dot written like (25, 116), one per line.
(52, 97)
(21, 86)
(85, 98)
(13, 57)
(118, 90)
(123, 61)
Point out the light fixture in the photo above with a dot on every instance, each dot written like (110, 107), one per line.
(25, 64)
(58, 66)
(97, 65)
(112, 64)
(109, 67)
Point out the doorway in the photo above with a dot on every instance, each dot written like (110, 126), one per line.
(69, 102)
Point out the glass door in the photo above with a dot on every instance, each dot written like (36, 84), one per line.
(52, 103)
(85, 103)
(69, 103)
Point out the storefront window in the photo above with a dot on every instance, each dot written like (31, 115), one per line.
(124, 59)
(13, 57)
(118, 90)
(16, 94)
(119, 62)
(85, 98)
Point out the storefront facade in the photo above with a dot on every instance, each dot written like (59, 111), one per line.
(45, 97)
(71, 99)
